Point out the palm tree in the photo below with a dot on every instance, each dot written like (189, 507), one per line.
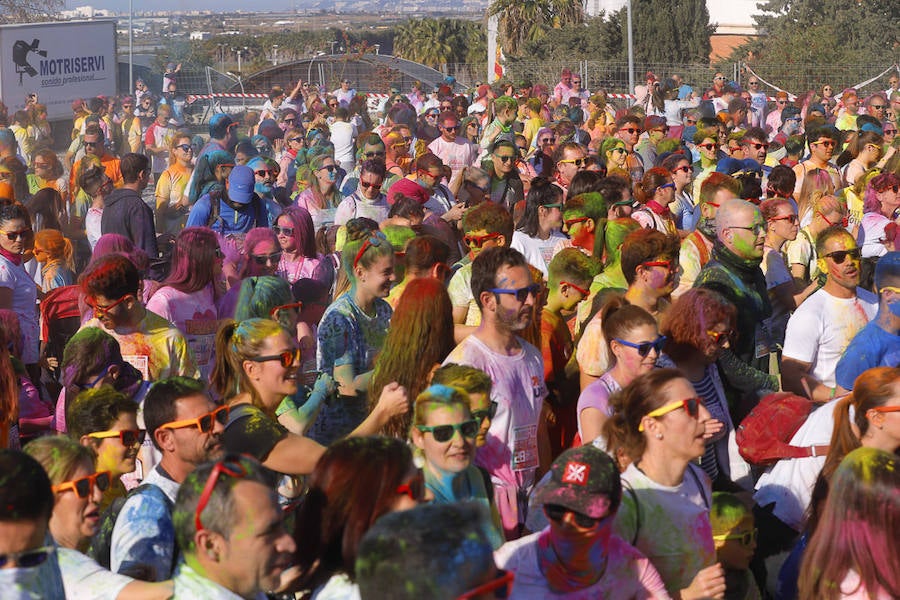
(523, 21)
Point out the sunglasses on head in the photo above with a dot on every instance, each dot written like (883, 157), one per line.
(839, 256)
(690, 405)
(27, 558)
(557, 513)
(84, 487)
(376, 239)
(128, 437)
(231, 466)
(486, 413)
(285, 231)
(521, 294)
(286, 358)
(414, 489)
(747, 539)
(666, 185)
(644, 348)
(444, 433)
(204, 423)
(575, 221)
(479, 240)
(263, 259)
(297, 306)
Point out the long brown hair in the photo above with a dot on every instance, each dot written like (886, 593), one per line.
(9, 389)
(420, 336)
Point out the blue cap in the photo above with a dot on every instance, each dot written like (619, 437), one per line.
(888, 266)
(240, 184)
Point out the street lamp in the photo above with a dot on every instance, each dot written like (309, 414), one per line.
(332, 46)
(275, 54)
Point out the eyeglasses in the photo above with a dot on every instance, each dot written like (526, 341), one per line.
(479, 240)
(718, 337)
(104, 310)
(376, 154)
(747, 539)
(506, 159)
(128, 437)
(878, 106)
(185, 147)
(839, 256)
(266, 172)
(285, 231)
(756, 228)
(684, 168)
(792, 219)
(27, 558)
(666, 185)
(376, 239)
(328, 168)
(844, 220)
(369, 185)
(501, 586)
(231, 466)
(23, 235)
(298, 306)
(96, 380)
(690, 405)
(886, 409)
(286, 358)
(578, 162)
(445, 433)
(569, 222)
(521, 294)
(90, 144)
(577, 288)
(550, 140)
(203, 423)
(264, 259)
(487, 413)
(644, 348)
(415, 489)
(826, 143)
(758, 146)
(557, 513)
(84, 487)
(296, 140)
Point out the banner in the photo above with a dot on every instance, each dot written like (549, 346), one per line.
(59, 61)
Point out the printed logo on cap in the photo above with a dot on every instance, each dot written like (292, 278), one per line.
(576, 473)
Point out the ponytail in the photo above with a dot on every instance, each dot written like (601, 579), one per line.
(224, 378)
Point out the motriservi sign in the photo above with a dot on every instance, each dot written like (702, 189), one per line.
(59, 61)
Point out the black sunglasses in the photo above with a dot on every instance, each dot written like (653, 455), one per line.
(487, 413)
(377, 153)
(444, 433)
(556, 513)
(287, 358)
(262, 259)
(839, 256)
(27, 558)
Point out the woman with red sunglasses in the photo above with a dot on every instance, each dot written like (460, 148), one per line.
(661, 425)
(78, 489)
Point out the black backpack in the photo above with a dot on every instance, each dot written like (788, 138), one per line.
(100, 548)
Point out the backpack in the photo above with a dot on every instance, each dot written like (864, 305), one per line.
(764, 436)
(100, 548)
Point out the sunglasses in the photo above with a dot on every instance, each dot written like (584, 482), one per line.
(792, 219)
(758, 146)
(578, 162)
(289, 120)
(91, 144)
(644, 348)
(685, 168)
(707, 146)
(690, 405)
(296, 140)
(27, 558)
(557, 513)
(753, 83)
(104, 310)
(486, 413)
(631, 131)
(231, 466)
(839, 256)
(451, 128)
(886, 409)
(666, 185)
(501, 586)
(204, 423)
(415, 488)
(521, 294)
(84, 487)
(577, 288)
(551, 140)
(23, 235)
(328, 168)
(506, 159)
(369, 185)
(666, 264)
(376, 239)
(781, 102)
(886, 132)
(878, 106)
(826, 143)
(690, 121)
(266, 172)
(264, 259)
(376, 154)
(332, 104)
(444, 433)
(719, 337)
(747, 539)
(285, 231)
(286, 358)
(128, 437)
(298, 306)
(185, 147)
(756, 228)
(479, 240)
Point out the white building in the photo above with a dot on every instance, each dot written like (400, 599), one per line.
(732, 16)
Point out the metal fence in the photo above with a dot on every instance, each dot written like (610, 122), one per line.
(613, 75)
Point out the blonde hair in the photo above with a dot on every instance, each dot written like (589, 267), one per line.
(235, 343)
(60, 456)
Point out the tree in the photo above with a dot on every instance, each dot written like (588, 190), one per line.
(29, 11)
(669, 32)
(436, 42)
(524, 21)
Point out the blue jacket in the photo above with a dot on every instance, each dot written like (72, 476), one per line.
(230, 220)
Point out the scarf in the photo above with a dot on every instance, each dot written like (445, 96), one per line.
(455, 487)
(15, 259)
(570, 564)
(707, 227)
(657, 208)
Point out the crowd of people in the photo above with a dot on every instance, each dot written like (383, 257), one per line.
(518, 342)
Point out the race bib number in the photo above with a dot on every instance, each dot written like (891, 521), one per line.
(525, 449)
(141, 362)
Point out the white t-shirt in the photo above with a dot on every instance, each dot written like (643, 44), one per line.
(92, 225)
(458, 154)
(355, 205)
(84, 579)
(822, 327)
(460, 290)
(669, 525)
(24, 296)
(789, 482)
(343, 136)
(537, 252)
(195, 315)
(629, 575)
(871, 232)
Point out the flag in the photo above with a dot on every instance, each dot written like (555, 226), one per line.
(499, 59)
